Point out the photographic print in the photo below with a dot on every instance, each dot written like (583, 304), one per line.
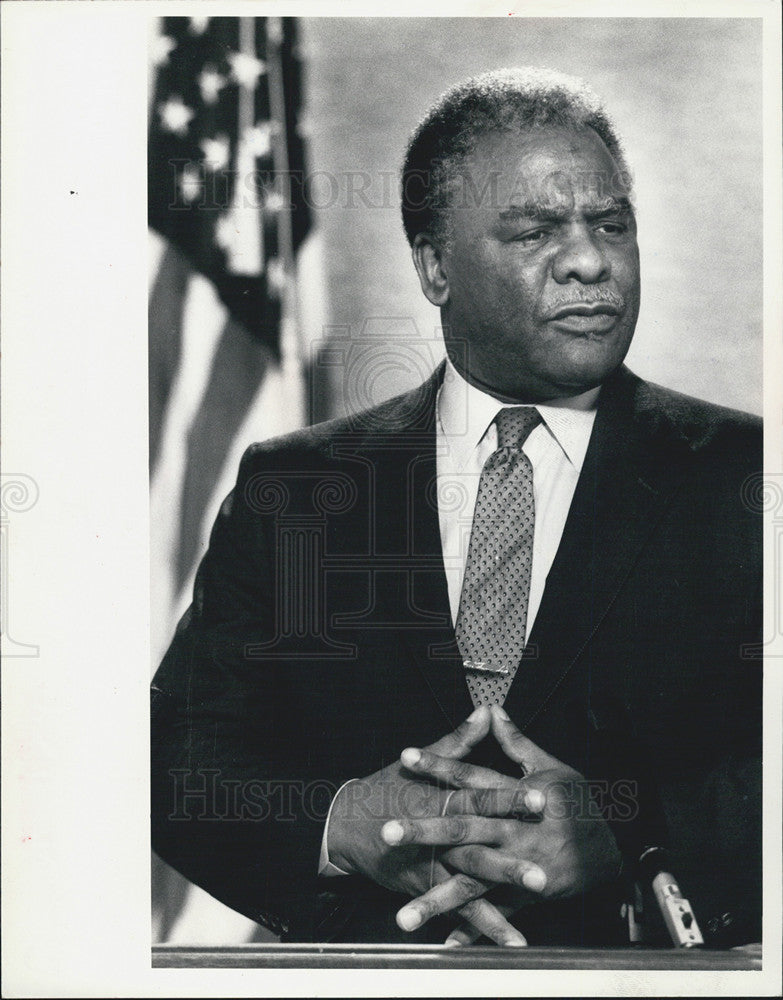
(391, 499)
(575, 594)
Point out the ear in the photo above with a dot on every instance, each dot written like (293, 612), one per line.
(427, 259)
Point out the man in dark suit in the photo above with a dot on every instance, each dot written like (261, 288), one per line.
(579, 623)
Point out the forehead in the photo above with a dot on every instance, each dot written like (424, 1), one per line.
(548, 167)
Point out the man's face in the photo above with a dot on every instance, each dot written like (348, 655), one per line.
(541, 275)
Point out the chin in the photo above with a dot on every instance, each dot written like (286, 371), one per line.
(590, 367)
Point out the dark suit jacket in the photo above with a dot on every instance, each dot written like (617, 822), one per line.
(319, 645)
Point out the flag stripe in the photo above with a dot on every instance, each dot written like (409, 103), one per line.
(166, 305)
(222, 245)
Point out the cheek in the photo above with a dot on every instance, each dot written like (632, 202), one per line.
(529, 288)
(483, 296)
(517, 296)
(625, 269)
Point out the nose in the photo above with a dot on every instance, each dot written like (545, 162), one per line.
(580, 258)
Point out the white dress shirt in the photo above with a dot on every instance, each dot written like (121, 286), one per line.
(466, 437)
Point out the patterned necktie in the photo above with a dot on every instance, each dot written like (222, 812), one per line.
(492, 614)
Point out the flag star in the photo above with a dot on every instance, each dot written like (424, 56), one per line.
(216, 152)
(191, 183)
(162, 48)
(275, 274)
(198, 25)
(246, 69)
(210, 83)
(258, 139)
(274, 201)
(225, 232)
(175, 115)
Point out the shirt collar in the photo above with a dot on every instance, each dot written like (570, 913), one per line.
(466, 415)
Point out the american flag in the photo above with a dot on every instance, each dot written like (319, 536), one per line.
(226, 165)
(227, 215)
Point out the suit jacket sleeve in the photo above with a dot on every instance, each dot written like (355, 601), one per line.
(229, 792)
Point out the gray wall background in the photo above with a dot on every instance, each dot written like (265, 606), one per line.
(686, 96)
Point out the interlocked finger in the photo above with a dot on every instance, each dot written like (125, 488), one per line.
(518, 801)
(453, 772)
(517, 746)
(494, 866)
(467, 933)
(489, 920)
(461, 893)
(463, 935)
(449, 895)
(465, 736)
(448, 830)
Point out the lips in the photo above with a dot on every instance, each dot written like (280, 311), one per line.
(585, 309)
(585, 318)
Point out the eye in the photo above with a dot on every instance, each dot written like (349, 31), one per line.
(532, 237)
(612, 228)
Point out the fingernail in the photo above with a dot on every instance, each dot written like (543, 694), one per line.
(452, 942)
(516, 943)
(479, 713)
(409, 920)
(392, 832)
(535, 800)
(501, 713)
(534, 880)
(410, 756)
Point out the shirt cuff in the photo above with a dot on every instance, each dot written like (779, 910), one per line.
(325, 866)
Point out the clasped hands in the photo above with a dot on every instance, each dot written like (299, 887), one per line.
(448, 833)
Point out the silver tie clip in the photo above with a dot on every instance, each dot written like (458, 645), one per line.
(482, 667)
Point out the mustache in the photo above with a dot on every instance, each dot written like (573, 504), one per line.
(592, 297)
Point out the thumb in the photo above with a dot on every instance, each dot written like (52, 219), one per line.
(518, 747)
(467, 734)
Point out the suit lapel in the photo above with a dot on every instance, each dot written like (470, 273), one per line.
(633, 466)
(434, 647)
(409, 526)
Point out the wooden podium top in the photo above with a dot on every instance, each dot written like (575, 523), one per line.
(292, 956)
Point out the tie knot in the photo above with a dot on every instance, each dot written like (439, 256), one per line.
(514, 423)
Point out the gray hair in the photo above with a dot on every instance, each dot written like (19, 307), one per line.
(518, 99)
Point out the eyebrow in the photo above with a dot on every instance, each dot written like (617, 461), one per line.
(552, 213)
